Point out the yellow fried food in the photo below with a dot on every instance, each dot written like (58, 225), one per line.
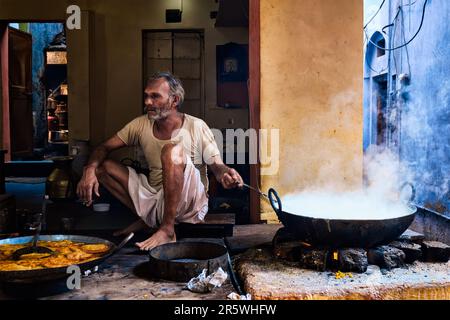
(64, 250)
(78, 256)
(31, 256)
(55, 244)
(56, 262)
(95, 248)
(30, 264)
(11, 266)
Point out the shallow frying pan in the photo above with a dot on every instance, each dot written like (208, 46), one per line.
(41, 275)
(337, 233)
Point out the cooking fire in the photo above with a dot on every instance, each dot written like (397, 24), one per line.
(397, 254)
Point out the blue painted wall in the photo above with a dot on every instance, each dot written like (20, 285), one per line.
(420, 107)
(43, 34)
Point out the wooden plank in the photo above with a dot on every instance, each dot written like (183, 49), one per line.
(249, 236)
(220, 218)
(268, 230)
(216, 225)
(254, 99)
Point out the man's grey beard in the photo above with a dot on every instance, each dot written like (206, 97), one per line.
(160, 114)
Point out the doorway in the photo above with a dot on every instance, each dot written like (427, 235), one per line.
(381, 97)
(36, 108)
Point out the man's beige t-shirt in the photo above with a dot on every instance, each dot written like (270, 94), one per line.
(195, 135)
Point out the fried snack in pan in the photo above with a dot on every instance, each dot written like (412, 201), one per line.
(75, 257)
(34, 256)
(12, 266)
(56, 262)
(65, 253)
(95, 248)
(55, 244)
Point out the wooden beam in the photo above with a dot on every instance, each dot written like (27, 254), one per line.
(254, 100)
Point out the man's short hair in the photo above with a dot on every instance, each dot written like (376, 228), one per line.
(175, 85)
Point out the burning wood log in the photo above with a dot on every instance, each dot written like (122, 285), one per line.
(315, 259)
(289, 251)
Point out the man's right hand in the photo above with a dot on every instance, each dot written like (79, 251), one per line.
(87, 184)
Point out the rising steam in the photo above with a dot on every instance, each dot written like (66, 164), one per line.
(380, 198)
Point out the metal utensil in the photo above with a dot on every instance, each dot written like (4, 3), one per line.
(123, 243)
(33, 248)
(120, 245)
(256, 190)
(44, 212)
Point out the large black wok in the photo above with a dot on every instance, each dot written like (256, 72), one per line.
(337, 233)
(40, 275)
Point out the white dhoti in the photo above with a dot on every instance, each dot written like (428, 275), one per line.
(149, 203)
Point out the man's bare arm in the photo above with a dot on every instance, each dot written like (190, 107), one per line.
(228, 177)
(89, 182)
(101, 152)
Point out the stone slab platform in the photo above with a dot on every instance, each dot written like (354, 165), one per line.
(124, 276)
(266, 278)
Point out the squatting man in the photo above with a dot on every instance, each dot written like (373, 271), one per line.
(178, 149)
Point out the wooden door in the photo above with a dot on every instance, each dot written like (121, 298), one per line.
(182, 54)
(20, 93)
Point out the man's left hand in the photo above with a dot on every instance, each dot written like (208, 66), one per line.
(231, 179)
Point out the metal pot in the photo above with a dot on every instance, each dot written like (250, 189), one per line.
(339, 233)
(60, 182)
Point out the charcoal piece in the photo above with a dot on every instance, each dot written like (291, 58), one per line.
(434, 251)
(412, 236)
(289, 251)
(282, 235)
(315, 259)
(286, 246)
(386, 257)
(412, 251)
(352, 260)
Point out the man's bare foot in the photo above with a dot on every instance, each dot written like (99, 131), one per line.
(158, 238)
(135, 226)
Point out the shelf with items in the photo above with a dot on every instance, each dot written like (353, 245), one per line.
(57, 115)
(55, 81)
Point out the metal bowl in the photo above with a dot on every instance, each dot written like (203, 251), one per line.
(182, 261)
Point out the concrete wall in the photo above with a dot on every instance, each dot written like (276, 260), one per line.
(105, 57)
(421, 107)
(311, 89)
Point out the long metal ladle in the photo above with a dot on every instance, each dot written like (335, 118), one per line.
(33, 248)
